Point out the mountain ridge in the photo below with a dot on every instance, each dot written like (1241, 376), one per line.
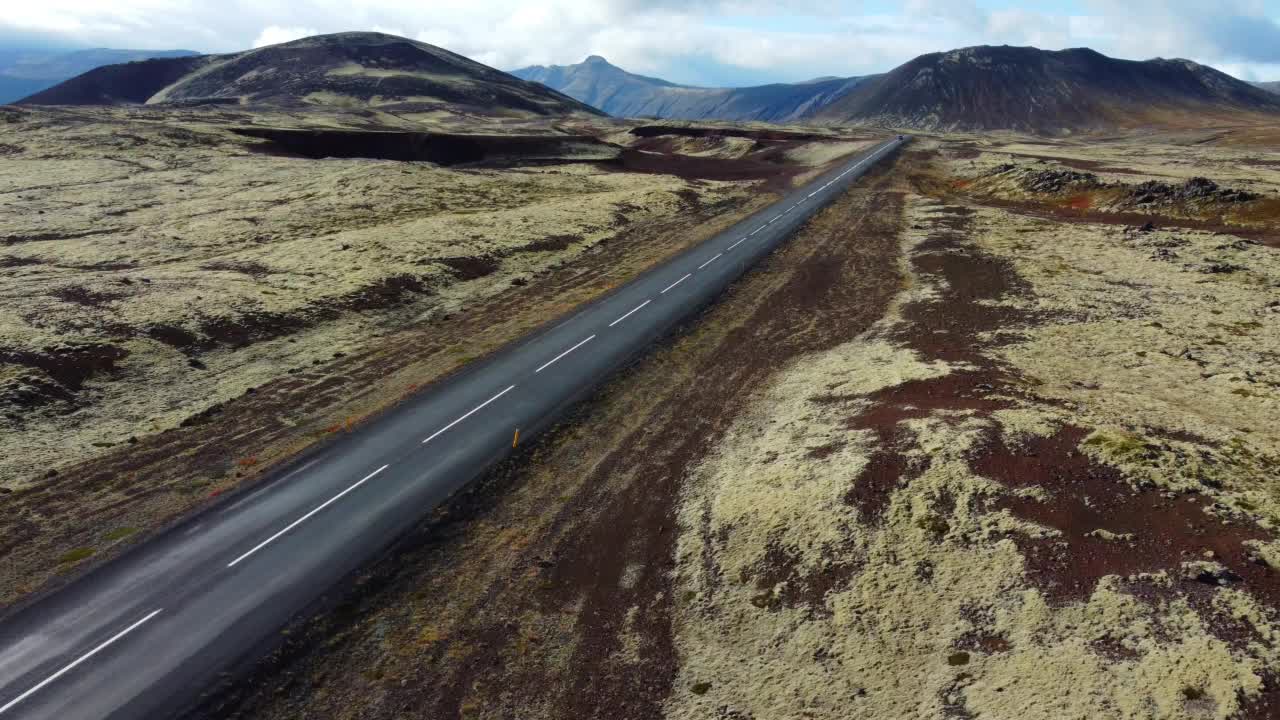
(979, 88)
(597, 82)
(1040, 91)
(342, 69)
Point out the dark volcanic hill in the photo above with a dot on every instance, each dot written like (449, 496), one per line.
(1032, 90)
(600, 84)
(346, 69)
(25, 73)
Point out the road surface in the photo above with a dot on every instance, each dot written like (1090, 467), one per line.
(142, 636)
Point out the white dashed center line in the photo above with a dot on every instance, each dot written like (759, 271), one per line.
(115, 638)
(477, 409)
(81, 659)
(566, 352)
(633, 312)
(304, 518)
(686, 277)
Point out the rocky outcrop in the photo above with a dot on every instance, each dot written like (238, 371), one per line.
(1197, 190)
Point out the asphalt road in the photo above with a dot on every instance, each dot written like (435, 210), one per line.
(142, 636)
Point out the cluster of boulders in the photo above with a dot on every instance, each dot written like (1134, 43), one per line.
(1197, 190)
(1050, 180)
(1053, 180)
(1165, 245)
(27, 391)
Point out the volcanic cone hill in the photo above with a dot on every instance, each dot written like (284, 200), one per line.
(345, 69)
(1031, 90)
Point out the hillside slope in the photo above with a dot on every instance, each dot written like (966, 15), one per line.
(24, 73)
(1273, 86)
(617, 92)
(132, 83)
(1032, 90)
(345, 69)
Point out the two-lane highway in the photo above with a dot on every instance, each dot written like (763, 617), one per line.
(144, 635)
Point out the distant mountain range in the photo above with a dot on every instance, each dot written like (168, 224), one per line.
(346, 69)
(1273, 86)
(600, 84)
(26, 72)
(978, 88)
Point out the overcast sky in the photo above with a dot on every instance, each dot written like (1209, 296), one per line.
(710, 42)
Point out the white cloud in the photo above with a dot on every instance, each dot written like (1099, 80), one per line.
(1253, 72)
(1228, 30)
(274, 35)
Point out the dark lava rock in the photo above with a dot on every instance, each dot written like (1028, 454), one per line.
(1197, 190)
(1209, 573)
(1240, 244)
(57, 372)
(1053, 181)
